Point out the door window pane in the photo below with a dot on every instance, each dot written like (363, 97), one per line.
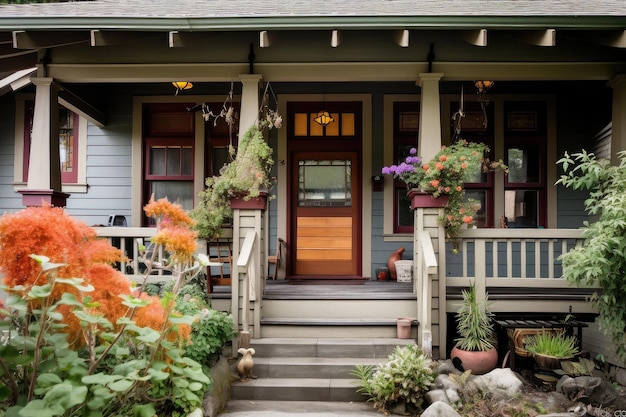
(521, 208)
(523, 162)
(324, 183)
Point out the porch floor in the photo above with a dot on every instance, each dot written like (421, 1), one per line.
(369, 290)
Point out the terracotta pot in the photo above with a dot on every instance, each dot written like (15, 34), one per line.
(478, 362)
(391, 263)
(422, 199)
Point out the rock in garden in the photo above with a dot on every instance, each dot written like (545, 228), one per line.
(447, 367)
(502, 383)
(435, 395)
(440, 409)
(592, 390)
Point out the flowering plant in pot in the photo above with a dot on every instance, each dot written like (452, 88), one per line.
(445, 175)
(247, 175)
(474, 349)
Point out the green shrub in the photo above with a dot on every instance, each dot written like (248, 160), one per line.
(404, 378)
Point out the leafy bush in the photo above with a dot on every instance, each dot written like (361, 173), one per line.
(93, 346)
(601, 259)
(405, 377)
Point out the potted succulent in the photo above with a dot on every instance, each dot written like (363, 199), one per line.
(474, 349)
(444, 176)
(549, 347)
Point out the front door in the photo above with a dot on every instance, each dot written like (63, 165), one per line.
(325, 197)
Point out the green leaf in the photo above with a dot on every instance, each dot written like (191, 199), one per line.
(144, 410)
(41, 259)
(100, 378)
(38, 408)
(70, 300)
(40, 291)
(122, 385)
(47, 380)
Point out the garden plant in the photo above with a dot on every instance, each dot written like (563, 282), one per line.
(78, 338)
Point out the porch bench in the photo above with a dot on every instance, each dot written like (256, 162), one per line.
(506, 328)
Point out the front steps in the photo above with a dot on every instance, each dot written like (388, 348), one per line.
(311, 369)
(370, 310)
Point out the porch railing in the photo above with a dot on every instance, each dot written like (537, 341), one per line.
(426, 270)
(503, 261)
(251, 288)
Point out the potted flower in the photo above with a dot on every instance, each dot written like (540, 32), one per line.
(550, 347)
(246, 177)
(474, 349)
(445, 175)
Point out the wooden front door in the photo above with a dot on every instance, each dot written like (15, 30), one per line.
(324, 213)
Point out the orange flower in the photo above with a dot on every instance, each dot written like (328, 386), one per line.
(439, 166)
(464, 165)
(462, 210)
(443, 158)
(425, 167)
(172, 213)
(434, 183)
(447, 189)
(467, 219)
(179, 241)
(463, 158)
(459, 188)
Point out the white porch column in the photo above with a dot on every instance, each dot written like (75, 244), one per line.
(44, 168)
(618, 135)
(429, 142)
(250, 103)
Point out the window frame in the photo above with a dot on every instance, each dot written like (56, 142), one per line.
(75, 182)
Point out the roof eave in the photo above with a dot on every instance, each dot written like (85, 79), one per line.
(312, 23)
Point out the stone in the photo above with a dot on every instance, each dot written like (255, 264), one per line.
(445, 382)
(440, 409)
(435, 395)
(447, 367)
(620, 376)
(502, 383)
(593, 390)
(453, 396)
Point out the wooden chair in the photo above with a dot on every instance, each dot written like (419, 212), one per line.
(275, 259)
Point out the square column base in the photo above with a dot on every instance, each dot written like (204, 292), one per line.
(38, 198)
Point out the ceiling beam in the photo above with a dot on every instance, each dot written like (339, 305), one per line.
(76, 104)
(612, 38)
(536, 37)
(108, 38)
(18, 60)
(401, 37)
(37, 40)
(16, 80)
(475, 37)
(266, 39)
(335, 38)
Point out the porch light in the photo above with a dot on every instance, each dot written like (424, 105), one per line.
(323, 118)
(482, 86)
(182, 85)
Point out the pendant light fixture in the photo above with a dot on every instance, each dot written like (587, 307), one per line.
(182, 85)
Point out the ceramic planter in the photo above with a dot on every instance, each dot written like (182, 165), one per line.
(422, 199)
(255, 203)
(478, 362)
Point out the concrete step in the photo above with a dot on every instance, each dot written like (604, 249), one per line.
(308, 367)
(260, 408)
(298, 389)
(327, 347)
(311, 369)
(340, 308)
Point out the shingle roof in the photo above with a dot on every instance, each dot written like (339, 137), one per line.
(303, 8)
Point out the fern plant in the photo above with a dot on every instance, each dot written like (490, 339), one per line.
(551, 343)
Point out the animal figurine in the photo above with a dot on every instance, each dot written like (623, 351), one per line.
(244, 367)
(391, 263)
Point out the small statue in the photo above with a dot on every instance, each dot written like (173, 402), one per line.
(244, 367)
(391, 263)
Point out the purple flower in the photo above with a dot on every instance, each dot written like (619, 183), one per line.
(414, 160)
(413, 151)
(386, 170)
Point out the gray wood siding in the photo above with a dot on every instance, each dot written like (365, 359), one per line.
(10, 201)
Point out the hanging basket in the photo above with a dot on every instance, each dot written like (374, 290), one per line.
(423, 199)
